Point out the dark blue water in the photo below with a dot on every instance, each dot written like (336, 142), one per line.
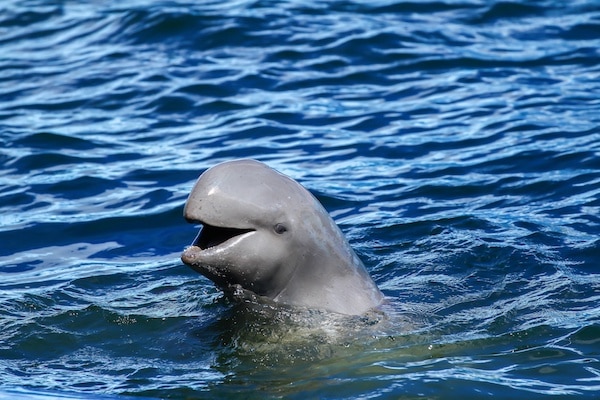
(456, 143)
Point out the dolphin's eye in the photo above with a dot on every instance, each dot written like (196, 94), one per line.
(280, 228)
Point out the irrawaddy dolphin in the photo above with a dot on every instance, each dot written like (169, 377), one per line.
(265, 235)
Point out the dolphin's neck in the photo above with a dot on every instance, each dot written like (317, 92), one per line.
(331, 278)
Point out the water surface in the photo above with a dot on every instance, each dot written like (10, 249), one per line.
(457, 145)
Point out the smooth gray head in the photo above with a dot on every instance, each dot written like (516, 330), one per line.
(265, 233)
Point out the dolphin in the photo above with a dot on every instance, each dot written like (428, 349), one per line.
(264, 235)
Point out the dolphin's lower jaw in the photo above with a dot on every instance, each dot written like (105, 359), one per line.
(192, 256)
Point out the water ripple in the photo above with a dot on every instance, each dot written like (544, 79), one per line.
(456, 143)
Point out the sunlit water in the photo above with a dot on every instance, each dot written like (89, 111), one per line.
(457, 145)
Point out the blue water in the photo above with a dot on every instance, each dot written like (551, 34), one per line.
(456, 143)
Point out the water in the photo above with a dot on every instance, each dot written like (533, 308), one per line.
(457, 145)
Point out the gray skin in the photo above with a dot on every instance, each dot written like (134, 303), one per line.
(264, 234)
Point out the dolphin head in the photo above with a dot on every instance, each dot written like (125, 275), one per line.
(248, 227)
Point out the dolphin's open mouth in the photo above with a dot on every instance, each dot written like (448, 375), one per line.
(211, 236)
